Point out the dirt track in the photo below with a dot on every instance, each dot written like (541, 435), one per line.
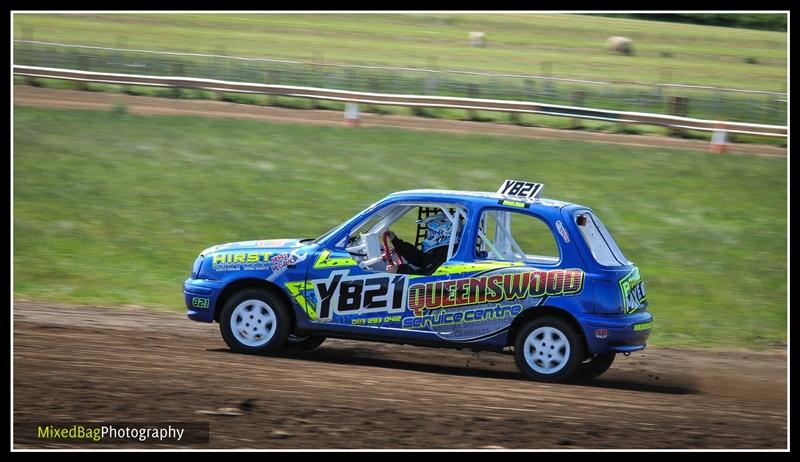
(46, 97)
(74, 363)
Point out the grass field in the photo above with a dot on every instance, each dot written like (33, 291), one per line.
(112, 208)
(571, 45)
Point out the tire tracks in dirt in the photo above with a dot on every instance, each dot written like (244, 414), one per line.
(76, 363)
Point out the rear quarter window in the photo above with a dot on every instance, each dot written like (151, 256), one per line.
(603, 247)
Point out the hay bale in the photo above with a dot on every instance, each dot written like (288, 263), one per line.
(477, 39)
(621, 45)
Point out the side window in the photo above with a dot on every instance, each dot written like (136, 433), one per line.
(512, 236)
(425, 232)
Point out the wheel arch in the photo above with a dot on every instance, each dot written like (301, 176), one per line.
(251, 283)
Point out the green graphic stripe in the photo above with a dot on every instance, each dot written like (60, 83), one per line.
(472, 267)
(324, 262)
(296, 289)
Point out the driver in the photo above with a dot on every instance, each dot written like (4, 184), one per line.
(434, 247)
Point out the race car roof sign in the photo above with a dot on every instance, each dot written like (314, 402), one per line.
(521, 189)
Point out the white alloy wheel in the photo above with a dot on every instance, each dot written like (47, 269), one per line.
(547, 350)
(253, 323)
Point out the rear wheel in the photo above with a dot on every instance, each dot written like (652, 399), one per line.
(597, 366)
(255, 321)
(548, 349)
(299, 344)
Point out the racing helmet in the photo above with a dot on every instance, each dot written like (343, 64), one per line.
(439, 228)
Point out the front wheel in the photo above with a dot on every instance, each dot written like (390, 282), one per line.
(255, 321)
(548, 349)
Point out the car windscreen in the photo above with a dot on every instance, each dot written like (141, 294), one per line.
(599, 240)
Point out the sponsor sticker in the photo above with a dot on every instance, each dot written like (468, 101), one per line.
(494, 288)
(241, 261)
(562, 231)
(282, 260)
(273, 243)
(633, 292)
(601, 333)
(519, 204)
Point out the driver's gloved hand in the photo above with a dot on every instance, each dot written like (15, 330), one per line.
(391, 235)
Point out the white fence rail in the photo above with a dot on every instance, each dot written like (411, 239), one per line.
(399, 68)
(404, 100)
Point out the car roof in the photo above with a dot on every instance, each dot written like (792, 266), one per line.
(483, 197)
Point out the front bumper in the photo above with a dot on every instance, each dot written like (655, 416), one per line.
(619, 333)
(200, 297)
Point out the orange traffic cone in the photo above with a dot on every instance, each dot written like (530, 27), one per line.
(719, 140)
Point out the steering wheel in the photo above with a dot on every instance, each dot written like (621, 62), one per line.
(389, 256)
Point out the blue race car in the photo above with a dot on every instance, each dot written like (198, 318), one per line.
(507, 271)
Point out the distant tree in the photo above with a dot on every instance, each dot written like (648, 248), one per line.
(762, 21)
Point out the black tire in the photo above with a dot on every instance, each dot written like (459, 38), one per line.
(295, 344)
(260, 298)
(552, 330)
(597, 366)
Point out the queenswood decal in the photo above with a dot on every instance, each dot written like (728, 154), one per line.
(494, 288)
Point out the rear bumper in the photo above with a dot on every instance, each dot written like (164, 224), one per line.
(618, 333)
(200, 297)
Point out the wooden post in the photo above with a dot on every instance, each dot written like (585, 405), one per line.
(83, 65)
(374, 88)
(275, 79)
(218, 63)
(577, 100)
(177, 71)
(315, 60)
(122, 42)
(547, 70)
(677, 106)
(472, 92)
(27, 34)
